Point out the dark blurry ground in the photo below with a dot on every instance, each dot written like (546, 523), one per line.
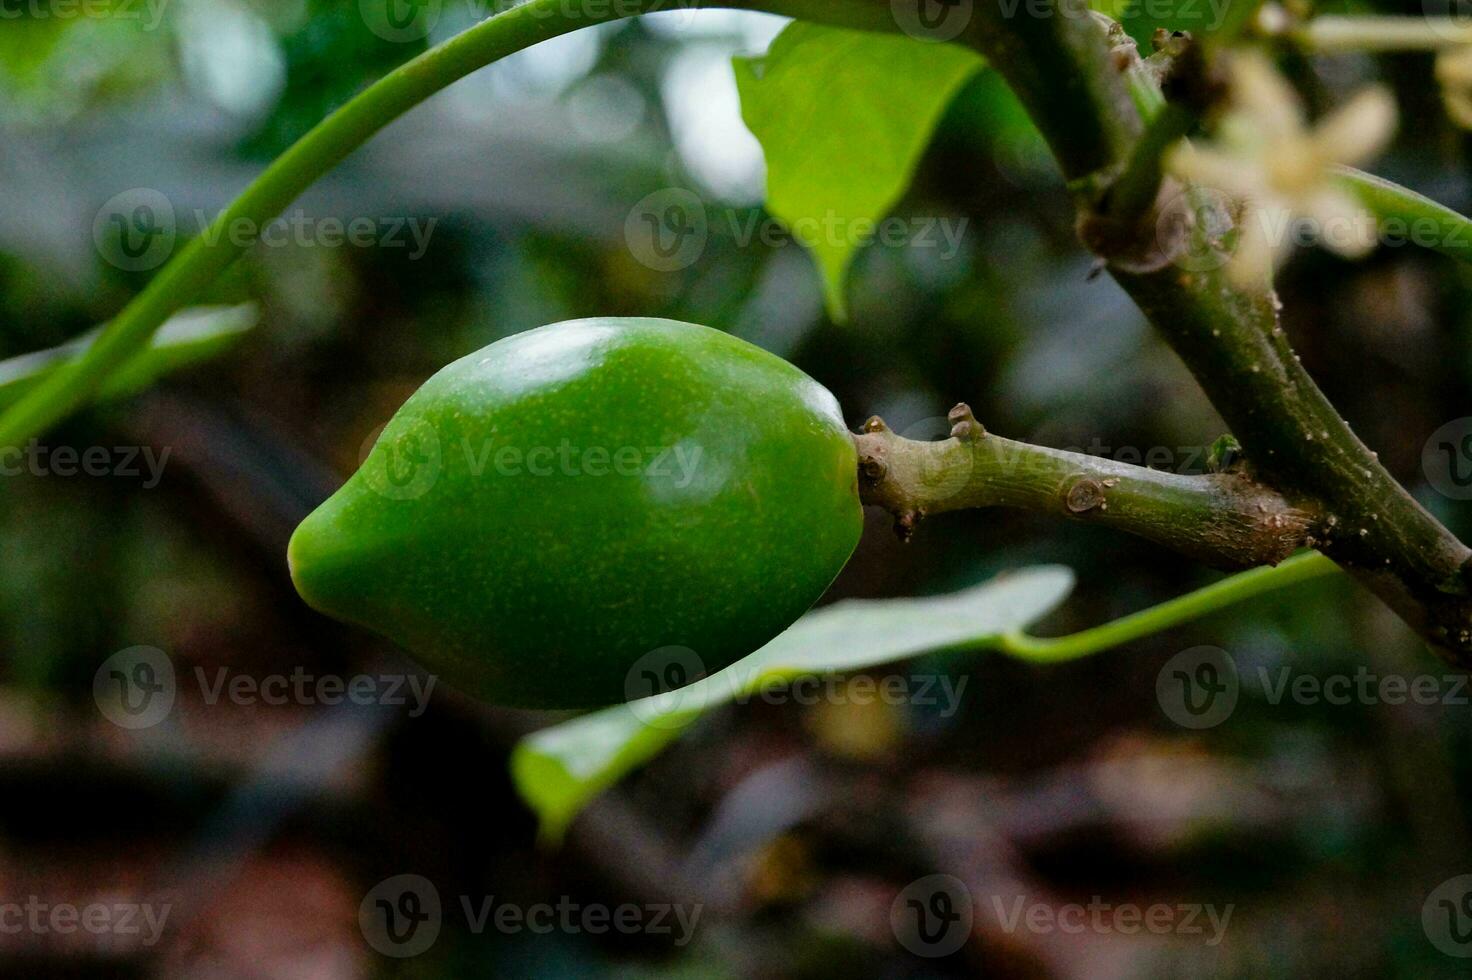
(1324, 827)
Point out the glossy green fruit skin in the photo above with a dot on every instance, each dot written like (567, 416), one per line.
(544, 513)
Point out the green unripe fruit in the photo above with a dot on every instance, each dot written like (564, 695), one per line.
(548, 517)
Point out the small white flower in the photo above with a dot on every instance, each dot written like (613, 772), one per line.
(1267, 156)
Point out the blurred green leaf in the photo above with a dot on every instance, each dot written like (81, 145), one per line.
(1405, 215)
(190, 337)
(559, 769)
(843, 117)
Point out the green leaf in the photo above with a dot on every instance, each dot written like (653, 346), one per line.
(1404, 214)
(191, 336)
(559, 769)
(843, 117)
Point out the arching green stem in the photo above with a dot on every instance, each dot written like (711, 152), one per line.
(1218, 595)
(1058, 64)
(205, 257)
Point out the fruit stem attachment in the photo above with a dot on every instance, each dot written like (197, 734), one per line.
(1225, 519)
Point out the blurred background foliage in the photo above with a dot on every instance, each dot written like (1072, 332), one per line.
(1324, 825)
